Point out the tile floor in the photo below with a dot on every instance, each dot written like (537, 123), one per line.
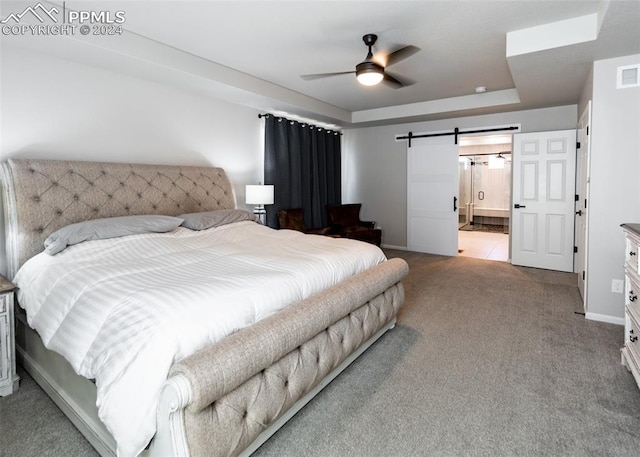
(483, 245)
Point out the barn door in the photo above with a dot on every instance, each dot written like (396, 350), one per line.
(432, 196)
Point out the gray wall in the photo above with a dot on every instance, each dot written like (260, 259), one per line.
(61, 109)
(614, 193)
(375, 165)
(375, 173)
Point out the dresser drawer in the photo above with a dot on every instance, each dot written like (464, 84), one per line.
(8, 376)
(632, 296)
(632, 341)
(631, 253)
(5, 365)
(6, 295)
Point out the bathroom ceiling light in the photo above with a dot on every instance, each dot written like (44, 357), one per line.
(496, 162)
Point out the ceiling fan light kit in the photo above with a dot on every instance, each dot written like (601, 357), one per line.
(370, 73)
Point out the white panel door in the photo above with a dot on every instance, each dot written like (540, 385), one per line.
(582, 192)
(542, 221)
(432, 196)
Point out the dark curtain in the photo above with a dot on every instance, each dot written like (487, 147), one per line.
(302, 161)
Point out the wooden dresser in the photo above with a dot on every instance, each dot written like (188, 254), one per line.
(631, 349)
(8, 377)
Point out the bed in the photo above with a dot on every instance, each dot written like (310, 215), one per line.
(225, 397)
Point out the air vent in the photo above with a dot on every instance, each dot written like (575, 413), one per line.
(628, 76)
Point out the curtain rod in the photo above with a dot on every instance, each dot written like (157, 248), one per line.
(456, 131)
(319, 127)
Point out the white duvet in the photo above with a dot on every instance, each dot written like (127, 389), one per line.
(122, 310)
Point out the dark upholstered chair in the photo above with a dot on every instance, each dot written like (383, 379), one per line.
(344, 220)
(293, 219)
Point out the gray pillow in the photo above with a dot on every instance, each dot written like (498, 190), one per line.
(209, 219)
(109, 227)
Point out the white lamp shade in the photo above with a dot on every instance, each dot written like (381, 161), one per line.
(259, 195)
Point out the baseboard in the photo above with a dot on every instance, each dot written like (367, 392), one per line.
(605, 318)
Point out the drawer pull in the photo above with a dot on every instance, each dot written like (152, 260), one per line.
(632, 337)
(632, 297)
(631, 253)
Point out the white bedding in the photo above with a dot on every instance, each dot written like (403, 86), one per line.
(122, 310)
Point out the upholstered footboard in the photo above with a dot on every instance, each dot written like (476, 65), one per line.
(236, 393)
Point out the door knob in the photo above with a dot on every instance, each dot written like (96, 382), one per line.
(517, 205)
(579, 212)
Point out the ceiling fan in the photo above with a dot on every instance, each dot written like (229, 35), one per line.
(369, 72)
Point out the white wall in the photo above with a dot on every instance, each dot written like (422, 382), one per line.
(375, 165)
(614, 194)
(586, 95)
(60, 109)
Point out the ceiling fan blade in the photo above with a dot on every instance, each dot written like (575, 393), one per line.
(396, 82)
(401, 54)
(325, 75)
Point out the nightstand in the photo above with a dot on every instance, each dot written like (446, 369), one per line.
(8, 377)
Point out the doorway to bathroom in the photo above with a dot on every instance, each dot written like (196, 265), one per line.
(484, 179)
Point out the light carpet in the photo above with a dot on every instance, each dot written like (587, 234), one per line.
(487, 359)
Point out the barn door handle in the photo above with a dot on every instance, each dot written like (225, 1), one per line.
(455, 203)
(518, 205)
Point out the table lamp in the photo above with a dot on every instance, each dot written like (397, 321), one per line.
(259, 195)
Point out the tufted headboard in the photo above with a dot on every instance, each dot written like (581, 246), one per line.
(41, 196)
